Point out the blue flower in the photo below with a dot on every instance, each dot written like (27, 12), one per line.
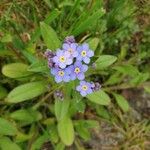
(84, 53)
(61, 74)
(85, 88)
(71, 48)
(62, 58)
(77, 70)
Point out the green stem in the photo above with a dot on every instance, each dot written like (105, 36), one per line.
(37, 105)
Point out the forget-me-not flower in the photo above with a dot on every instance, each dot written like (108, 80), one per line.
(85, 88)
(78, 70)
(71, 48)
(84, 53)
(62, 58)
(61, 74)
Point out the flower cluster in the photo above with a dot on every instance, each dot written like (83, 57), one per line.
(70, 63)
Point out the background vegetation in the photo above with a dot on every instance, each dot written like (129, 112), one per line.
(116, 117)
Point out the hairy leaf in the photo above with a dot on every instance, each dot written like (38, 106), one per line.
(26, 92)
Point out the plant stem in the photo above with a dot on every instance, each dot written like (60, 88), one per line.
(37, 105)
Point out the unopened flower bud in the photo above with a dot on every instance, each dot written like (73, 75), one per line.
(49, 54)
(96, 86)
(58, 94)
(69, 39)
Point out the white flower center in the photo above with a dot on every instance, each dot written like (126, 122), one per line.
(84, 87)
(83, 53)
(61, 73)
(62, 59)
(77, 70)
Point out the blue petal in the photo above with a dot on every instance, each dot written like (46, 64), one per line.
(85, 46)
(58, 79)
(80, 76)
(62, 65)
(65, 46)
(84, 68)
(66, 78)
(86, 60)
(90, 53)
(83, 93)
(78, 88)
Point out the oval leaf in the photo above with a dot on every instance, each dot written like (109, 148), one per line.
(66, 131)
(39, 66)
(26, 92)
(15, 70)
(122, 102)
(6, 127)
(93, 43)
(7, 144)
(50, 37)
(105, 61)
(3, 92)
(99, 97)
(28, 115)
(61, 108)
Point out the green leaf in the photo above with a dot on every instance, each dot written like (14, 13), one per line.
(27, 115)
(60, 146)
(77, 105)
(104, 61)
(101, 111)
(66, 131)
(3, 92)
(53, 133)
(6, 38)
(6, 52)
(86, 23)
(99, 97)
(50, 37)
(26, 92)
(52, 15)
(127, 70)
(83, 126)
(37, 144)
(114, 78)
(38, 66)
(15, 70)
(93, 43)
(83, 131)
(22, 137)
(122, 102)
(91, 124)
(61, 108)
(139, 78)
(73, 9)
(7, 144)
(7, 128)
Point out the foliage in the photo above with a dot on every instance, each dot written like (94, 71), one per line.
(30, 115)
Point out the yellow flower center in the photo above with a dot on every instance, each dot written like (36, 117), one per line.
(83, 53)
(84, 87)
(77, 70)
(62, 59)
(70, 50)
(61, 73)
